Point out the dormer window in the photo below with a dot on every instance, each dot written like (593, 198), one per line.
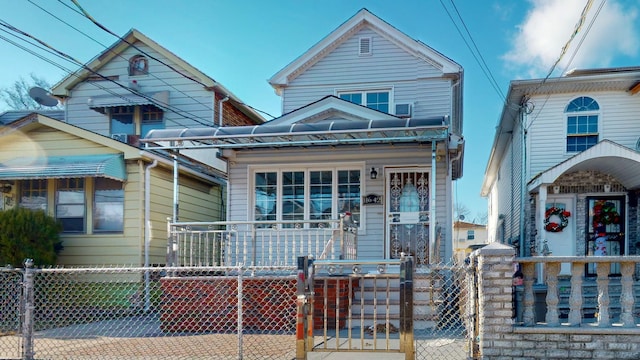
(138, 65)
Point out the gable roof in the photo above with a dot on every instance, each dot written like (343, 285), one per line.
(36, 120)
(13, 115)
(62, 89)
(331, 106)
(185, 164)
(361, 19)
(606, 156)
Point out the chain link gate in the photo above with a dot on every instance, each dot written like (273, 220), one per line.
(150, 313)
(445, 312)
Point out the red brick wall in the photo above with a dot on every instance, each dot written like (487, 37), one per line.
(210, 304)
(231, 116)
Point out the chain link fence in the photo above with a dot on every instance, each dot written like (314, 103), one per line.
(202, 313)
(444, 312)
(148, 313)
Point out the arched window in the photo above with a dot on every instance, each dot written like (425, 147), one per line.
(582, 123)
(138, 65)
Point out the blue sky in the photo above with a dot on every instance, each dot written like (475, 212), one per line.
(243, 43)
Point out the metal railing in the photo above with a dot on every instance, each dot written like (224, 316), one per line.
(355, 305)
(258, 243)
(549, 298)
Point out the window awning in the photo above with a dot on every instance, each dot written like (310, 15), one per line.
(159, 99)
(110, 166)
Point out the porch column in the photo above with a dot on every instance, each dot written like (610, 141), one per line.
(542, 204)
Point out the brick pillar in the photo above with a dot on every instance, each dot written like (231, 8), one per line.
(495, 301)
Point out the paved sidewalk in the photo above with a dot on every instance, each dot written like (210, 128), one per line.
(354, 356)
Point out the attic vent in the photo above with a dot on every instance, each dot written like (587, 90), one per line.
(365, 46)
(403, 110)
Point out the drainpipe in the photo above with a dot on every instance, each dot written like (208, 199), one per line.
(147, 231)
(523, 179)
(220, 103)
(176, 189)
(432, 204)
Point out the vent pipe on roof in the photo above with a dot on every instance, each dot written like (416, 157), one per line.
(220, 103)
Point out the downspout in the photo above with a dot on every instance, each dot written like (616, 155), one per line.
(432, 204)
(147, 231)
(220, 107)
(523, 177)
(176, 192)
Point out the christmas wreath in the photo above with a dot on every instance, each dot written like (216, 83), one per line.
(561, 214)
(604, 213)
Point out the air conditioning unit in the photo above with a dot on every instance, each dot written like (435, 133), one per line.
(403, 110)
(119, 137)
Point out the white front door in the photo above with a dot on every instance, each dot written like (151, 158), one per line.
(407, 213)
(560, 242)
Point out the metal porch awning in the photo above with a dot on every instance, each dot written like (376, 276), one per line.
(335, 132)
(110, 166)
(157, 99)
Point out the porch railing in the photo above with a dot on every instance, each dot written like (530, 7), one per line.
(258, 243)
(574, 300)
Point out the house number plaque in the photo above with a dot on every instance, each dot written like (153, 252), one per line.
(372, 199)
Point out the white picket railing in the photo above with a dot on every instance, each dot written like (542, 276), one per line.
(258, 243)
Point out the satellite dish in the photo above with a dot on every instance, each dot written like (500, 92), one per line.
(461, 217)
(42, 97)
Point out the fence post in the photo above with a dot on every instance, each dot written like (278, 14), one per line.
(27, 324)
(240, 310)
(301, 302)
(406, 307)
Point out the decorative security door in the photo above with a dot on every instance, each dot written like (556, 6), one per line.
(606, 229)
(407, 213)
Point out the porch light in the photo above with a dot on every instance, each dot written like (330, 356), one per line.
(373, 174)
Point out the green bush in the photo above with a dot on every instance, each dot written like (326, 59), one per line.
(28, 234)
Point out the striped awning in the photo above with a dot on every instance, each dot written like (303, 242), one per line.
(110, 166)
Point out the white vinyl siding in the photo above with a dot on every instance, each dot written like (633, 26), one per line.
(549, 127)
(413, 80)
(194, 104)
(370, 243)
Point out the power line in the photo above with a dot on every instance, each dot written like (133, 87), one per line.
(577, 28)
(73, 60)
(98, 24)
(117, 54)
(482, 63)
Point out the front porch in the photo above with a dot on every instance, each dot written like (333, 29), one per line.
(259, 243)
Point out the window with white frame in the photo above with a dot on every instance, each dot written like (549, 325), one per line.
(306, 194)
(373, 99)
(582, 123)
(471, 234)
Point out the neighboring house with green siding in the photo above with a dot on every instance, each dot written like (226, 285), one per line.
(102, 190)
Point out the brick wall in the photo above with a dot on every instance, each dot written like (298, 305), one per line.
(231, 116)
(210, 304)
(499, 338)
